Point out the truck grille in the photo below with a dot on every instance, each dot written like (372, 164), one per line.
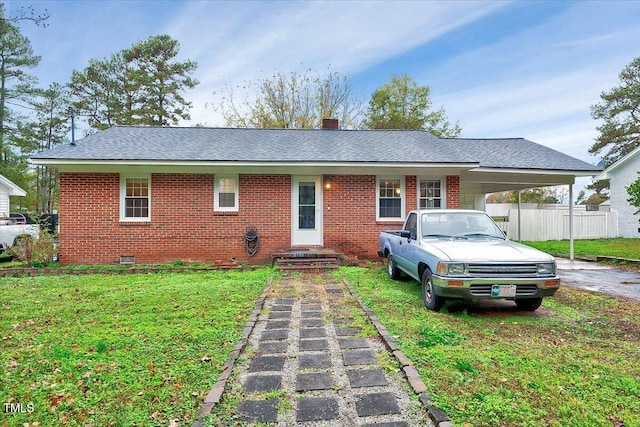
(503, 270)
(485, 290)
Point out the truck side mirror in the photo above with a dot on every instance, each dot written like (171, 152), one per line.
(405, 234)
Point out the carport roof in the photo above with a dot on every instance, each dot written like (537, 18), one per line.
(140, 144)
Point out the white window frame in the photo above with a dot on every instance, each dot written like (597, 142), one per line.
(123, 194)
(402, 198)
(216, 193)
(443, 189)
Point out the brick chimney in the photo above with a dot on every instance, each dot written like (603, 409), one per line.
(329, 123)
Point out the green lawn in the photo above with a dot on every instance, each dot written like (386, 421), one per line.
(125, 350)
(118, 350)
(572, 363)
(623, 248)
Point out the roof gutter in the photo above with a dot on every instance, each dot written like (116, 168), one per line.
(206, 163)
(537, 171)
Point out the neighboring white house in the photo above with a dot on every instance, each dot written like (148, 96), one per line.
(622, 173)
(8, 188)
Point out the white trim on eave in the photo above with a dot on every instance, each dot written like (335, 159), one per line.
(618, 164)
(14, 190)
(535, 171)
(182, 163)
(285, 168)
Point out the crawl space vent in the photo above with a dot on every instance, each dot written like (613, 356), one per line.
(126, 259)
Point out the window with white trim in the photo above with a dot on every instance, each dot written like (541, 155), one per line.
(390, 199)
(430, 194)
(135, 198)
(226, 193)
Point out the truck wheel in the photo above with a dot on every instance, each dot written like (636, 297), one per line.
(392, 268)
(431, 300)
(529, 304)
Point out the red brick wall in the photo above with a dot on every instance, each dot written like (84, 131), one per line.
(411, 190)
(350, 204)
(183, 223)
(350, 225)
(88, 209)
(185, 227)
(453, 192)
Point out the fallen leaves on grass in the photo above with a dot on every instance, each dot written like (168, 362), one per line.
(114, 347)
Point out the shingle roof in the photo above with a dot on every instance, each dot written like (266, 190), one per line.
(518, 153)
(317, 146)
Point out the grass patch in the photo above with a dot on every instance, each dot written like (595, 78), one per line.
(591, 248)
(139, 349)
(7, 262)
(572, 363)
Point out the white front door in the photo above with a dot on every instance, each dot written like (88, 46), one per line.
(306, 211)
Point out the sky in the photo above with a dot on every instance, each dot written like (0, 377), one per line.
(528, 69)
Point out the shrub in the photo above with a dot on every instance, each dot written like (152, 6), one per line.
(38, 252)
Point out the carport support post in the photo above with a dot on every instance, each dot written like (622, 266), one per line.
(519, 216)
(571, 222)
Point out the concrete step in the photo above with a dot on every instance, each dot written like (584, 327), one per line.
(307, 264)
(307, 259)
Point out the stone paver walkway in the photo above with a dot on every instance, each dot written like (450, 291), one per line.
(313, 357)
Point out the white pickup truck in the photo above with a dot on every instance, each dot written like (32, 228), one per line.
(464, 254)
(14, 228)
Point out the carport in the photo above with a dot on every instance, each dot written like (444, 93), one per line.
(490, 180)
(512, 165)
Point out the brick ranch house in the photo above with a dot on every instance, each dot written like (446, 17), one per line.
(160, 194)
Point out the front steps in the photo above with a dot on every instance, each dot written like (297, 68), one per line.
(313, 260)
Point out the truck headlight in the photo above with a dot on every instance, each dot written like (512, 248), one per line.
(547, 269)
(453, 269)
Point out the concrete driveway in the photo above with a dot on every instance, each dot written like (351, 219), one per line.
(596, 277)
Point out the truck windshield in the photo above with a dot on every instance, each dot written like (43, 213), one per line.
(470, 225)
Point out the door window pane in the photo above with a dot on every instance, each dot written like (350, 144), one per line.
(307, 193)
(307, 217)
(307, 205)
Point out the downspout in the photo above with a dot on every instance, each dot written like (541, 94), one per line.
(571, 222)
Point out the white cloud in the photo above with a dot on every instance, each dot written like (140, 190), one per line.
(536, 82)
(254, 40)
(539, 83)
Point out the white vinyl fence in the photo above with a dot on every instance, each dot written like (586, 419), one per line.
(543, 224)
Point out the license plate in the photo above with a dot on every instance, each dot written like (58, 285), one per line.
(503, 291)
